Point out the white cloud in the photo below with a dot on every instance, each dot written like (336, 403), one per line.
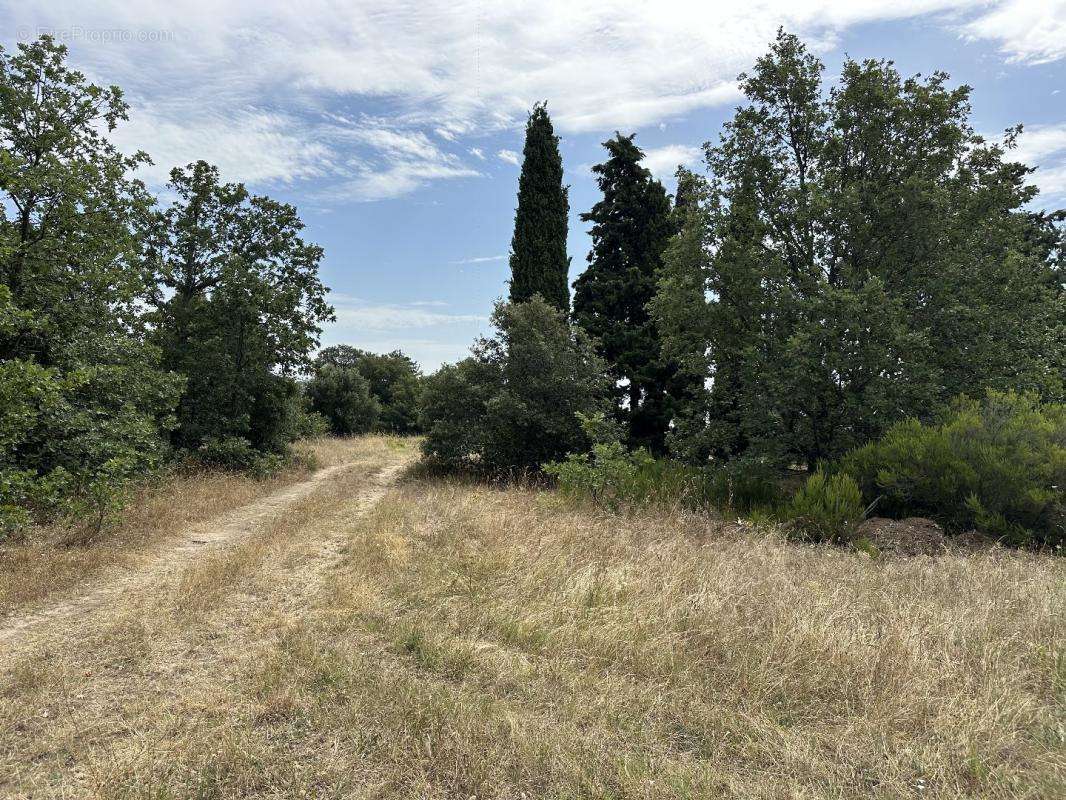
(205, 76)
(664, 161)
(480, 260)
(510, 156)
(358, 316)
(246, 144)
(1037, 142)
(477, 152)
(1028, 31)
(1044, 147)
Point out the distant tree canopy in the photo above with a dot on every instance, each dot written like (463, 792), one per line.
(513, 404)
(855, 258)
(342, 396)
(539, 264)
(392, 380)
(631, 227)
(237, 308)
(82, 394)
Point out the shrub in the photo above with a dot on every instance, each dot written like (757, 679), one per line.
(512, 405)
(342, 396)
(614, 478)
(610, 476)
(237, 454)
(826, 508)
(997, 464)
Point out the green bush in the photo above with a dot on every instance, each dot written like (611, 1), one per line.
(239, 455)
(614, 478)
(997, 464)
(342, 396)
(826, 508)
(513, 404)
(609, 476)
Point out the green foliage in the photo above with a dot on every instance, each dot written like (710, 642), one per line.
(539, 264)
(609, 474)
(615, 478)
(342, 396)
(393, 379)
(631, 226)
(243, 310)
(239, 455)
(512, 405)
(82, 396)
(858, 256)
(826, 508)
(997, 464)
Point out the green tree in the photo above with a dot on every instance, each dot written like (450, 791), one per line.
(342, 395)
(238, 308)
(864, 256)
(631, 227)
(539, 264)
(394, 380)
(514, 403)
(83, 398)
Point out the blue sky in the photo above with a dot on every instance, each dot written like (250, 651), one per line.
(396, 127)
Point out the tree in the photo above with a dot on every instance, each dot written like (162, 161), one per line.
(631, 227)
(394, 380)
(243, 312)
(342, 395)
(678, 309)
(864, 256)
(539, 264)
(84, 398)
(513, 405)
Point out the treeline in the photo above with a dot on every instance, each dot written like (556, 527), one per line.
(131, 332)
(852, 258)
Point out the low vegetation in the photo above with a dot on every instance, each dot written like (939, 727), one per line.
(476, 642)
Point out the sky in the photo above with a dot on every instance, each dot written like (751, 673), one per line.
(396, 128)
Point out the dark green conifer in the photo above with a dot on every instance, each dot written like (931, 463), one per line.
(631, 227)
(539, 264)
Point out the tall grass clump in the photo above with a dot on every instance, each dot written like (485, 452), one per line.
(997, 464)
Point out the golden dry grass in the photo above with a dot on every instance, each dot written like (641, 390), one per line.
(456, 641)
(47, 562)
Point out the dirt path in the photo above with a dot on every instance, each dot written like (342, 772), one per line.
(108, 683)
(203, 540)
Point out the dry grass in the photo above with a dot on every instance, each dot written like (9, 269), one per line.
(462, 642)
(46, 563)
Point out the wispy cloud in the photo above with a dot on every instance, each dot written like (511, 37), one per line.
(1027, 31)
(247, 84)
(480, 259)
(510, 156)
(1044, 147)
(664, 161)
(359, 317)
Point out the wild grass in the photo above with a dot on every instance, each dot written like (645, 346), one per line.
(53, 559)
(489, 643)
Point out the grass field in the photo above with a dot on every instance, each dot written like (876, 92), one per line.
(394, 636)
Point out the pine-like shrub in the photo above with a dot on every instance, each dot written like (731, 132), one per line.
(826, 508)
(996, 464)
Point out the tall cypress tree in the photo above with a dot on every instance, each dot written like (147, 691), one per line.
(631, 227)
(539, 264)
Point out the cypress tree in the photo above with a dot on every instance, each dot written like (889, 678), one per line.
(631, 227)
(539, 264)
